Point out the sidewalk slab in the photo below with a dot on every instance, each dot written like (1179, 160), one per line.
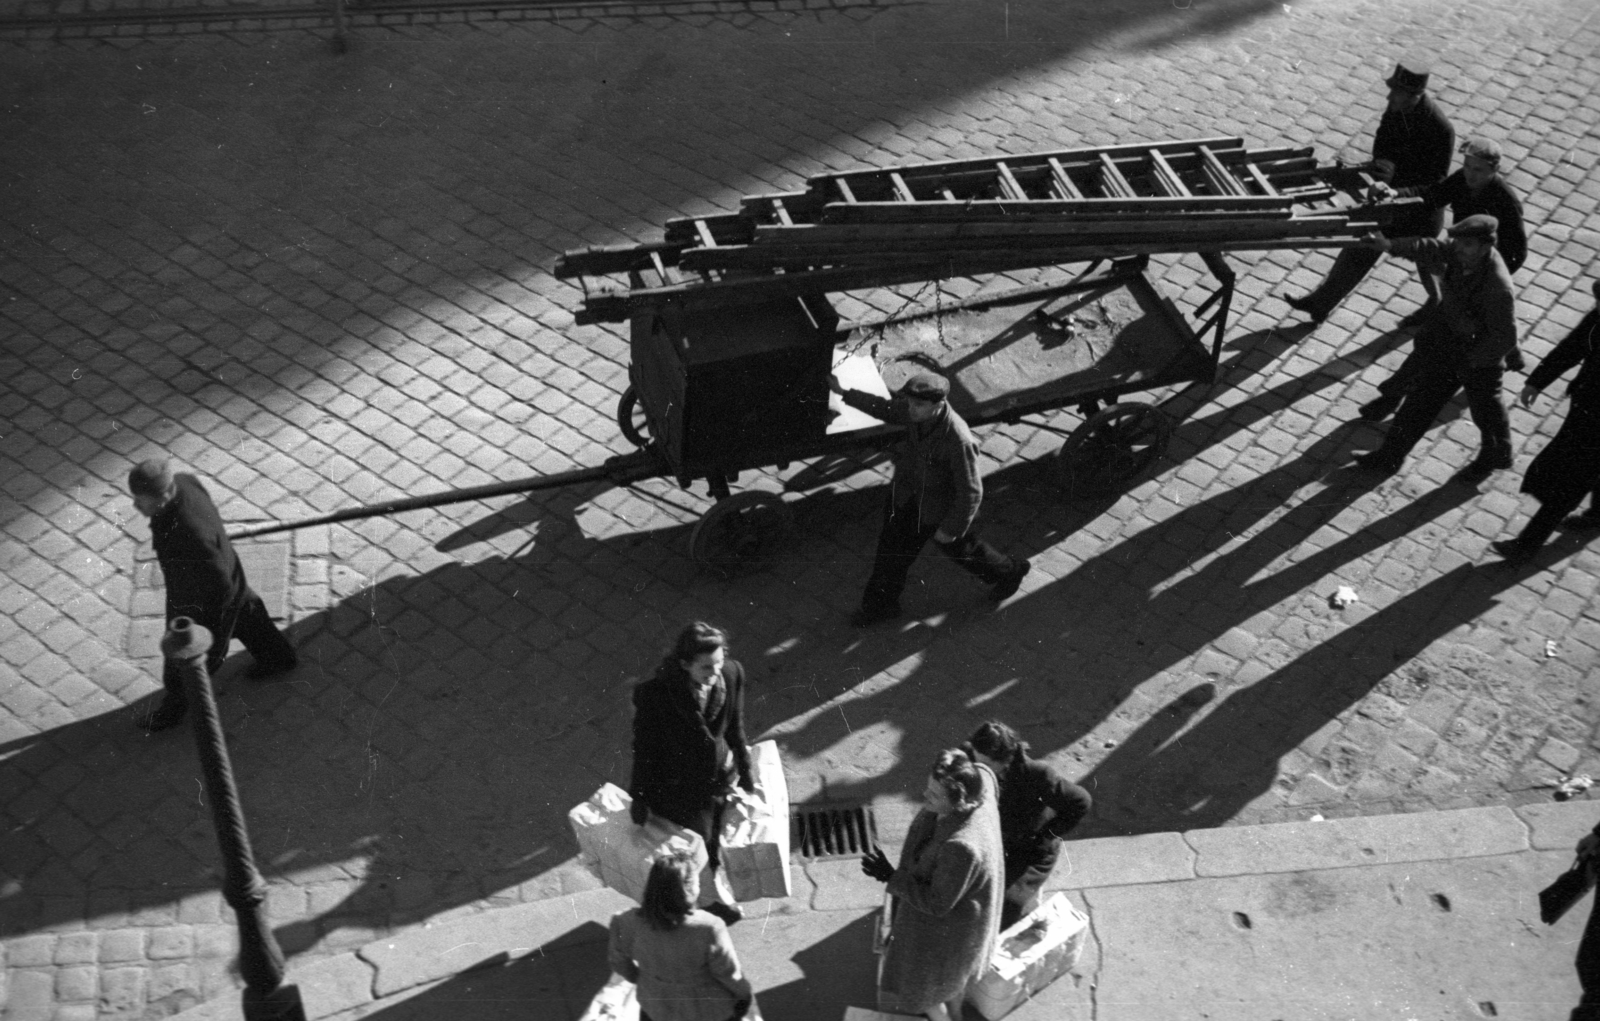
(1359, 840)
(1123, 861)
(1451, 939)
(1558, 826)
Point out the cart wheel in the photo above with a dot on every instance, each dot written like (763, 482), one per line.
(631, 419)
(1108, 451)
(740, 533)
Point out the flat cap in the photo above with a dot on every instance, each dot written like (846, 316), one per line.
(1410, 74)
(927, 386)
(1485, 149)
(1481, 227)
(150, 478)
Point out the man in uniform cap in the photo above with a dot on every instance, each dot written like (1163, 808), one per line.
(1476, 187)
(205, 581)
(1462, 346)
(1410, 150)
(935, 494)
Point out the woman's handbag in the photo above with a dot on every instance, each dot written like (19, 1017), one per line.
(1557, 899)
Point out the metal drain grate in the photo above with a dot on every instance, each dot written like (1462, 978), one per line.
(824, 832)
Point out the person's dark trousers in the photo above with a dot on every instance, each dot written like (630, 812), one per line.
(1352, 265)
(1588, 965)
(1551, 513)
(1022, 893)
(707, 822)
(252, 625)
(1428, 396)
(903, 538)
(1425, 353)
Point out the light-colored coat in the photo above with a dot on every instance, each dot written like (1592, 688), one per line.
(948, 892)
(690, 973)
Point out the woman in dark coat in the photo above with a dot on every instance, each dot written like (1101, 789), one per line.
(1568, 468)
(1038, 806)
(689, 745)
(946, 892)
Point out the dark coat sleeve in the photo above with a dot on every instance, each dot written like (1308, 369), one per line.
(882, 408)
(1070, 803)
(1574, 348)
(198, 564)
(1512, 236)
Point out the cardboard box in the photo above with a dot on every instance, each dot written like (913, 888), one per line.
(755, 831)
(620, 853)
(617, 1000)
(1042, 946)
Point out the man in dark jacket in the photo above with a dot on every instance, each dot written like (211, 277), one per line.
(1411, 149)
(935, 495)
(205, 581)
(1462, 346)
(1476, 188)
(1569, 467)
(1038, 808)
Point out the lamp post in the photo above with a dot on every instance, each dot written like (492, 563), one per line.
(266, 997)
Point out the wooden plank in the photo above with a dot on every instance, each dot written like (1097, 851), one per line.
(1097, 208)
(781, 212)
(1008, 183)
(1220, 176)
(1064, 186)
(1261, 180)
(668, 278)
(900, 189)
(844, 189)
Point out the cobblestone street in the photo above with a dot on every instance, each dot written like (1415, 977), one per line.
(320, 280)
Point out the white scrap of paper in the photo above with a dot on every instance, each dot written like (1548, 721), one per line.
(1343, 597)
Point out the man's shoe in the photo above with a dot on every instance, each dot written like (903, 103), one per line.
(165, 716)
(1379, 408)
(1304, 306)
(268, 671)
(1513, 549)
(1515, 362)
(1484, 465)
(1586, 521)
(1376, 464)
(731, 914)
(1007, 587)
(870, 615)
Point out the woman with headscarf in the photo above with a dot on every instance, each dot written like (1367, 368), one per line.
(947, 892)
(689, 745)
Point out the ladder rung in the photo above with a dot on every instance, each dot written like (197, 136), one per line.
(1008, 183)
(844, 190)
(1064, 186)
(901, 192)
(704, 232)
(949, 196)
(1219, 176)
(781, 212)
(1116, 186)
(1261, 180)
(667, 278)
(1166, 177)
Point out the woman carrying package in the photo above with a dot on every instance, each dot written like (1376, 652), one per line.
(688, 745)
(947, 892)
(681, 958)
(1038, 806)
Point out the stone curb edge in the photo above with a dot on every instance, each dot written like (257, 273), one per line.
(429, 953)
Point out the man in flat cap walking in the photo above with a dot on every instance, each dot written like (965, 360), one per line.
(205, 582)
(934, 494)
(1461, 346)
(1475, 188)
(1410, 150)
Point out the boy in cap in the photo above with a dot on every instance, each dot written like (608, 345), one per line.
(1462, 346)
(1476, 187)
(205, 581)
(934, 494)
(1410, 150)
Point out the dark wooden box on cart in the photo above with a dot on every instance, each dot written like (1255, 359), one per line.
(730, 387)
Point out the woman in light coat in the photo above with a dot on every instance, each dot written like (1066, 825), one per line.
(947, 891)
(680, 957)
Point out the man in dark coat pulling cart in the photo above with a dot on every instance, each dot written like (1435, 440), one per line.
(1568, 468)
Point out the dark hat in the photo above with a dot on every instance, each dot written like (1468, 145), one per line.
(1410, 75)
(927, 386)
(150, 478)
(1484, 149)
(1481, 227)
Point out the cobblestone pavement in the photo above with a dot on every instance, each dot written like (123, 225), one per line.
(319, 281)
